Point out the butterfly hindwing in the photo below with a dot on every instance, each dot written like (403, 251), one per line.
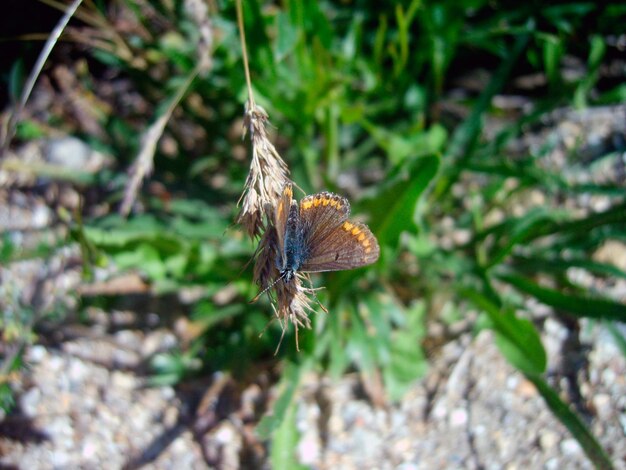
(347, 246)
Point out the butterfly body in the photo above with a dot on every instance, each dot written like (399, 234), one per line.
(293, 253)
(317, 236)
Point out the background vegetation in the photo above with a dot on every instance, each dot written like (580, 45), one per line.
(384, 102)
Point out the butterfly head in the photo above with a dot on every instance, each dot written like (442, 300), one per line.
(287, 274)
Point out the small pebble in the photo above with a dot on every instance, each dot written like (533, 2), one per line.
(548, 439)
(458, 417)
(570, 447)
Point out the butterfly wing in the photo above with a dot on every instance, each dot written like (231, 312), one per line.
(332, 242)
(281, 214)
(320, 215)
(347, 246)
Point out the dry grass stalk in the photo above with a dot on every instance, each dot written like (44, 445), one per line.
(264, 186)
(198, 12)
(144, 163)
(267, 176)
(143, 166)
(8, 129)
(293, 305)
(99, 33)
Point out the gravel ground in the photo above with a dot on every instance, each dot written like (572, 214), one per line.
(472, 411)
(92, 416)
(85, 406)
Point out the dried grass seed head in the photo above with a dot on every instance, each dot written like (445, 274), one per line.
(267, 176)
(293, 305)
(265, 270)
(264, 186)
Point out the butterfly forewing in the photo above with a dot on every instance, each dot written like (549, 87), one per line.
(320, 215)
(282, 213)
(347, 246)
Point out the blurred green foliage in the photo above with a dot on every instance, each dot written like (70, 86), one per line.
(358, 94)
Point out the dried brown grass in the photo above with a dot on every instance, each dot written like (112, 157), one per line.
(264, 186)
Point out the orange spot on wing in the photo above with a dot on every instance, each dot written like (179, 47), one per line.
(307, 204)
(356, 231)
(361, 237)
(366, 243)
(347, 226)
(368, 249)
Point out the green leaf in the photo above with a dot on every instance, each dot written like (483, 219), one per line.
(407, 361)
(520, 230)
(287, 36)
(16, 80)
(169, 368)
(209, 314)
(398, 146)
(360, 347)
(338, 356)
(598, 49)
(576, 426)
(578, 305)
(393, 209)
(552, 53)
(517, 338)
(289, 383)
(284, 442)
(194, 208)
(144, 257)
(7, 248)
(28, 129)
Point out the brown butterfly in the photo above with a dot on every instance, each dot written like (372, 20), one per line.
(317, 236)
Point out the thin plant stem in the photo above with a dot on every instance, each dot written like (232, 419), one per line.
(244, 52)
(34, 74)
(145, 160)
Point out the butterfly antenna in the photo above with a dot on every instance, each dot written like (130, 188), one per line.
(256, 297)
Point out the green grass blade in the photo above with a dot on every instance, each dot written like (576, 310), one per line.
(535, 264)
(552, 225)
(466, 136)
(517, 338)
(393, 210)
(581, 433)
(615, 215)
(522, 229)
(577, 305)
(290, 381)
(284, 442)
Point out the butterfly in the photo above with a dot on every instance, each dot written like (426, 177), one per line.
(316, 235)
